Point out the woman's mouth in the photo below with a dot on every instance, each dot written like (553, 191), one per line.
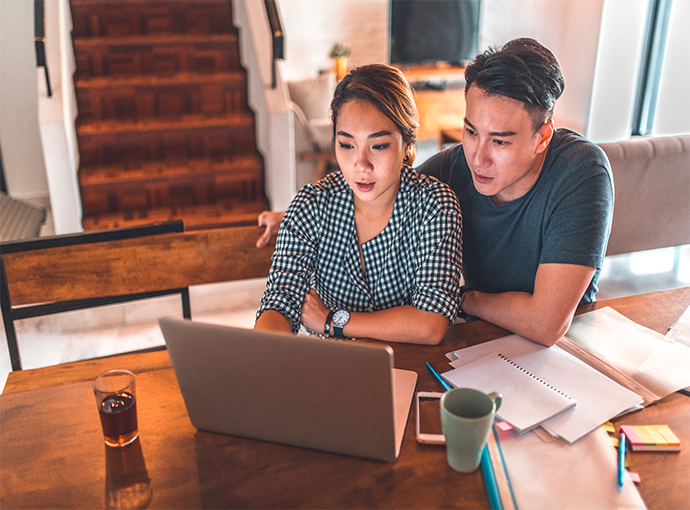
(365, 187)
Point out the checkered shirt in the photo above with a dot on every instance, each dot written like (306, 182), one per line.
(416, 260)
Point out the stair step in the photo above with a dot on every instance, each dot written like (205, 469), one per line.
(132, 98)
(115, 82)
(181, 140)
(93, 18)
(166, 125)
(225, 214)
(108, 177)
(110, 189)
(157, 55)
(144, 42)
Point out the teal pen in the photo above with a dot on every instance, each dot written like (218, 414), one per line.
(490, 481)
(622, 447)
(438, 376)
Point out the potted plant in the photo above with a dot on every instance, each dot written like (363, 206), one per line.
(339, 53)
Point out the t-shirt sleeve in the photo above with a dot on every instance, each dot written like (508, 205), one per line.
(580, 221)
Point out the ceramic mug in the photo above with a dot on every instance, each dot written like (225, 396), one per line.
(466, 418)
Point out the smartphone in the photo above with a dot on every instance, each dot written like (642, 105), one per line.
(428, 418)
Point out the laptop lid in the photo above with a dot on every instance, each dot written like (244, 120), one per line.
(342, 397)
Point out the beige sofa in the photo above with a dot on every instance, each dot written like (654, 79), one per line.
(651, 177)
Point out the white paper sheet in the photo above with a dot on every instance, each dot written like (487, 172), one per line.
(680, 331)
(645, 356)
(558, 475)
(598, 398)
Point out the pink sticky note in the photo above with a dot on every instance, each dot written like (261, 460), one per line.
(504, 425)
(634, 477)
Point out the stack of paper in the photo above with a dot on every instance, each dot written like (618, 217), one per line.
(598, 398)
(527, 400)
(576, 477)
(635, 356)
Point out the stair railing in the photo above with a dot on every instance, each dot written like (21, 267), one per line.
(277, 36)
(40, 41)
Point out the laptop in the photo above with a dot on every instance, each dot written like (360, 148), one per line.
(334, 396)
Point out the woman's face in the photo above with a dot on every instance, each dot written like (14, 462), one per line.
(370, 151)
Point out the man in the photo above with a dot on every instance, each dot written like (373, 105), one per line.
(537, 202)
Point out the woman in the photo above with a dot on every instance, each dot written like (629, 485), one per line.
(374, 250)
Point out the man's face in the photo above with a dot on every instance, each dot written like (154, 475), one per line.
(501, 148)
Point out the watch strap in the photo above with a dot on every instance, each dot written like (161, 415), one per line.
(461, 313)
(338, 331)
(327, 326)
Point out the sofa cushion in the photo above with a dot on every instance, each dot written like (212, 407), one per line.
(651, 178)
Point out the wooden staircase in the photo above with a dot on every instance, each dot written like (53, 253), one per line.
(165, 131)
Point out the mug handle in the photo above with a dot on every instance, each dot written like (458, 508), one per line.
(497, 399)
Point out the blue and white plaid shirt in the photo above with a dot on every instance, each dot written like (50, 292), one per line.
(416, 260)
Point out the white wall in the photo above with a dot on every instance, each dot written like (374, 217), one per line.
(570, 28)
(57, 114)
(20, 137)
(619, 56)
(274, 136)
(313, 26)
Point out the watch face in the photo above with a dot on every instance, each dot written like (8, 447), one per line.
(341, 317)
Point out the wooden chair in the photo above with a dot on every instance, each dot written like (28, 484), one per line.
(63, 273)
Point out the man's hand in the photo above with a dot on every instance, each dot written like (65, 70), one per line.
(271, 220)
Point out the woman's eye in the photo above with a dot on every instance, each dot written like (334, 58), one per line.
(470, 131)
(344, 145)
(381, 146)
(500, 142)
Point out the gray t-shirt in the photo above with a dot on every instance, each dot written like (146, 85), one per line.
(565, 218)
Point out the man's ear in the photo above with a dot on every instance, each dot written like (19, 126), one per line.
(545, 135)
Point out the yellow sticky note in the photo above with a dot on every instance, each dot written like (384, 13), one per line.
(608, 427)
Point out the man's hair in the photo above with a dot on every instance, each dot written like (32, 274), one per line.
(385, 88)
(523, 70)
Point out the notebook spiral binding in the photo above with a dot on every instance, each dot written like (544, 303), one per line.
(534, 376)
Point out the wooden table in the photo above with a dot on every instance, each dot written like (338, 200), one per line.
(52, 453)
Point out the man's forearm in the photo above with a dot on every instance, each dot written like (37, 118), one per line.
(544, 316)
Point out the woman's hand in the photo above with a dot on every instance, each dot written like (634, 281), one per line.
(271, 220)
(314, 312)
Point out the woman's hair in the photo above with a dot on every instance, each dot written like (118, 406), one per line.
(385, 88)
(523, 70)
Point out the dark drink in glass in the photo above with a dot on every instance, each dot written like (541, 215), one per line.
(117, 406)
(119, 419)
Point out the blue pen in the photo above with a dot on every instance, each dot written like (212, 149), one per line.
(622, 447)
(438, 376)
(490, 481)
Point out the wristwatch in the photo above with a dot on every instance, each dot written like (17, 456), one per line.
(340, 318)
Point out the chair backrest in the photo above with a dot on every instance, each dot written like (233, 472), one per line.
(62, 273)
(651, 178)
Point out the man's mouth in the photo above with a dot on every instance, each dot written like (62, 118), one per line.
(365, 187)
(481, 179)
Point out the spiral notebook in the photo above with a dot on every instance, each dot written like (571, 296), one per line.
(527, 401)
